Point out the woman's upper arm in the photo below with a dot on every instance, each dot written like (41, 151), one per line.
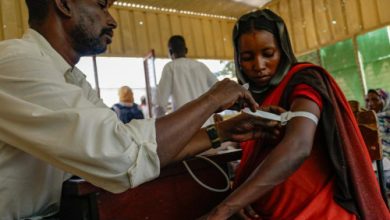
(301, 130)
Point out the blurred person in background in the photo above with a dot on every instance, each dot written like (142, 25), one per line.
(182, 79)
(126, 109)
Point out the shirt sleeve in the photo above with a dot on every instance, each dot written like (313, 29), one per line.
(164, 89)
(211, 78)
(306, 91)
(56, 122)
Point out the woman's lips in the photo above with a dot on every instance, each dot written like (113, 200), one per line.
(263, 79)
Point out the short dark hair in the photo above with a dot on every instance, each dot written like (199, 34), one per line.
(177, 44)
(37, 10)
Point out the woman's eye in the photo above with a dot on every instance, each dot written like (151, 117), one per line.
(268, 54)
(246, 57)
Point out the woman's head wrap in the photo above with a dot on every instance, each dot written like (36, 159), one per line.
(384, 96)
(264, 20)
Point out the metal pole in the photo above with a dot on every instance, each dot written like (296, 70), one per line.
(359, 63)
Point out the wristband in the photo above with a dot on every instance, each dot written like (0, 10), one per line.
(213, 136)
(284, 117)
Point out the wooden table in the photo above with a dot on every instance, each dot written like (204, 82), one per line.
(174, 195)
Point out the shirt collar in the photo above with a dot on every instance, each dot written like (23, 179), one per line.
(58, 61)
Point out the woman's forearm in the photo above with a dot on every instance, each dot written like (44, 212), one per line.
(274, 170)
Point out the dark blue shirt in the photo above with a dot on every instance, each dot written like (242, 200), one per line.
(127, 113)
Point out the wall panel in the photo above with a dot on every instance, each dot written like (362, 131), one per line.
(284, 10)
(126, 23)
(208, 38)
(153, 29)
(329, 21)
(274, 8)
(369, 13)
(12, 22)
(322, 22)
(383, 10)
(312, 24)
(141, 33)
(353, 16)
(227, 29)
(298, 27)
(24, 14)
(1, 22)
(175, 24)
(218, 39)
(197, 33)
(229, 40)
(336, 16)
(116, 47)
(310, 28)
(165, 31)
(187, 34)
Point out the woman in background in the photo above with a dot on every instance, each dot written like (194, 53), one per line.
(314, 171)
(379, 101)
(126, 109)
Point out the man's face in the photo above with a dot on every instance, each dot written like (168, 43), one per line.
(93, 29)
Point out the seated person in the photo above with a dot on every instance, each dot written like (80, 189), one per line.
(53, 124)
(319, 168)
(126, 109)
(378, 100)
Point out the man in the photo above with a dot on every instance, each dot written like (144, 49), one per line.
(52, 123)
(182, 79)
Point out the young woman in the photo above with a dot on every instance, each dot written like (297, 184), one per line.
(314, 171)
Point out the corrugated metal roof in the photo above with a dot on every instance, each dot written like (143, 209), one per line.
(230, 8)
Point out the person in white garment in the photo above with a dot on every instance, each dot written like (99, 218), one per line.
(182, 79)
(52, 124)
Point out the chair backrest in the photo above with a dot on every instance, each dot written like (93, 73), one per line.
(355, 106)
(368, 125)
(369, 128)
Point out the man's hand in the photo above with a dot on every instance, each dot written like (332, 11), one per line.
(245, 127)
(227, 93)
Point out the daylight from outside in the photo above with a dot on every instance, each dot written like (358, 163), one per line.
(114, 72)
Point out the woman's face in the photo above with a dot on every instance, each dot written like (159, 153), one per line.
(374, 102)
(259, 56)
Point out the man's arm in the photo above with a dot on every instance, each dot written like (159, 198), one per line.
(54, 121)
(238, 129)
(175, 130)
